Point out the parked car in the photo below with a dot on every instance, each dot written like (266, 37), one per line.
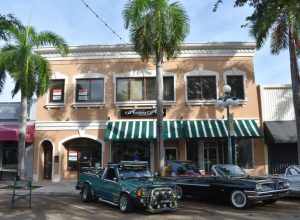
(292, 174)
(231, 183)
(182, 168)
(129, 185)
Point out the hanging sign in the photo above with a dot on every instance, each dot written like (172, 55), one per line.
(140, 112)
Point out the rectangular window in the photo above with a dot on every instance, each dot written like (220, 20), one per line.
(201, 88)
(143, 89)
(237, 86)
(244, 153)
(89, 90)
(57, 90)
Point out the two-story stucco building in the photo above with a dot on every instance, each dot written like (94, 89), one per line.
(101, 107)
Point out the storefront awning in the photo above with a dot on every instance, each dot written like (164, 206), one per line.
(175, 129)
(141, 130)
(281, 132)
(218, 128)
(10, 132)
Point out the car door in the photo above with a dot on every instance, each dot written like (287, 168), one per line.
(110, 186)
(293, 176)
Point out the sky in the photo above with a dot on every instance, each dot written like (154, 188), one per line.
(72, 20)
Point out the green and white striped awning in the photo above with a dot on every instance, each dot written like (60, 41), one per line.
(175, 129)
(218, 128)
(141, 130)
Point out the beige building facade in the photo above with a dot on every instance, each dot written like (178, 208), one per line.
(100, 108)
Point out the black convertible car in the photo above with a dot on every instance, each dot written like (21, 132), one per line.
(231, 183)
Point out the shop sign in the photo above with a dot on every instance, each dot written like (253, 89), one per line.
(83, 94)
(140, 112)
(57, 94)
(72, 155)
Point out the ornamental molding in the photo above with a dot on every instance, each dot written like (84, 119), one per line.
(126, 51)
(69, 125)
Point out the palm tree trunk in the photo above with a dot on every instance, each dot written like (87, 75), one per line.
(159, 105)
(22, 133)
(295, 84)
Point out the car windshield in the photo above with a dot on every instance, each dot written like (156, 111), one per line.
(294, 171)
(230, 170)
(134, 172)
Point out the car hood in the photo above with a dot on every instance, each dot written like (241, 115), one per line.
(135, 183)
(257, 179)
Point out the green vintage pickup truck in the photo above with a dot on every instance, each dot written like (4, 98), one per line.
(128, 185)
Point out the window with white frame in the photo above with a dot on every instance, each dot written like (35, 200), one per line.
(90, 90)
(57, 91)
(201, 88)
(236, 83)
(131, 89)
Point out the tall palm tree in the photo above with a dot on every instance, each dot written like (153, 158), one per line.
(157, 29)
(29, 70)
(279, 19)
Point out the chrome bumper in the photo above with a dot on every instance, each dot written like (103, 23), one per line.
(274, 194)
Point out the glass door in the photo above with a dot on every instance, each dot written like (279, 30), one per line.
(211, 156)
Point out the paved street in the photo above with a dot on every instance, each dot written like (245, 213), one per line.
(46, 207)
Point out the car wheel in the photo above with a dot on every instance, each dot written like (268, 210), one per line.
(270, 201)
(238, 199)
(86, 193)
(125, 203)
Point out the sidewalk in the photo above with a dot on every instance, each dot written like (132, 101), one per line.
(64, 188)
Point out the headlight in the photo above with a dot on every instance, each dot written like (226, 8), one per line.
(179, 192)
(259, 187)
(140, 193)
(286, 184)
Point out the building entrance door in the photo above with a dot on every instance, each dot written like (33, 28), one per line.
(48, 153)
(211, 156)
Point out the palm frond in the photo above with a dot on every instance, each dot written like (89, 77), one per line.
(279, 38)
(48, 38)
(157, 27)
(6, 23)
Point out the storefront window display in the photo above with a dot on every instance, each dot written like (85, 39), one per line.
(139, 150)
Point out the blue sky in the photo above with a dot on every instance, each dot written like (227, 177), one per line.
(77, 25)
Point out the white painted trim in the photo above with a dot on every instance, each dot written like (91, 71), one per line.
(57, 76)
(89, 76)
(69, 125)
(237, 72)
(126, 51)
(144, 73)
(201, 72)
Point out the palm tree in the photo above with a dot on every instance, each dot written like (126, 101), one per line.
(29, 70)
(281, 20)
(157, 29)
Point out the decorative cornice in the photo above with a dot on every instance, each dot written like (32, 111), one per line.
(69, 125)
(126, 51)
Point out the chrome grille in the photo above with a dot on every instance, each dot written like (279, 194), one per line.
(163, 198)
(268, 186)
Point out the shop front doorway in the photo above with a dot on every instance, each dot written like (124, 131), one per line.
(211, 156)
(48, 155)
(171, 153)
(204, 154)
(81, 153)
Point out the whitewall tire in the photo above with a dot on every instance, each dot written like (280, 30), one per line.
(239, 200)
